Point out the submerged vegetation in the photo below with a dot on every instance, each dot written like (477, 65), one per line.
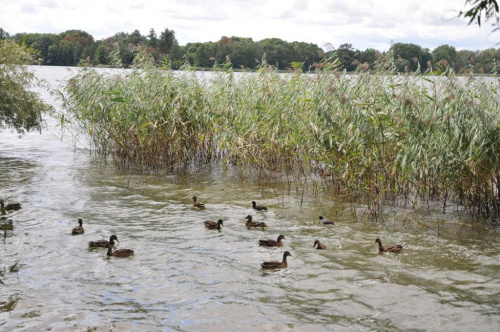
(378, 136)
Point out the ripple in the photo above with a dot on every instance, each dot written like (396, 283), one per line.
(186, 277)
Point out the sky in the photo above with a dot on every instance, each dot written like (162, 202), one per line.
(328, 23)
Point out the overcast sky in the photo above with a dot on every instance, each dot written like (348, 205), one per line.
(362, 23)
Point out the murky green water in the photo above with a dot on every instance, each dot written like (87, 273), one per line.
(184, 277)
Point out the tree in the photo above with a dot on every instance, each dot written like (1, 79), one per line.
(347, 56)
(102, 53)
(135, 38)
(487, 61)
(408, 57)
(444, 55)
(42, 44)
(369, 56)
(278, 52)
(20, 108)
(203, 54)
(167, 40)
(426, 61)
(3, 34)
(222, 49)
(489, 8)
(465, 61)
(175, 56)
(245, 53)
(73, 47)
(306, 53)
(153, 40)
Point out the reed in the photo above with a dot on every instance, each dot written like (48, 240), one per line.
(383, 137)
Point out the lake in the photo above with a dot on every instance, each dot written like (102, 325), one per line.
(184, 277)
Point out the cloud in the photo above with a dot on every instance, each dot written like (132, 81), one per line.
(49, 4)
(28, 9)
(364, 24)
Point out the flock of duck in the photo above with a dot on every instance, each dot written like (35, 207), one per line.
(77, 230)
(213, 225)
(278, 242)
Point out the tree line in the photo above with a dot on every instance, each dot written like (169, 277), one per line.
(74, 47)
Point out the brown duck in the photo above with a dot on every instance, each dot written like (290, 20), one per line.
(272, 243)
(325, 221)
(251, 223)
(104, 243)
(197, 204)
(318, 245)
(258, 207)
(9, 207)
(213, 225)
(393, 248)
(120, 252)
(78, 229)
(277, 264)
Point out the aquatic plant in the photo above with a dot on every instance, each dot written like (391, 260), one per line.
(380, 136)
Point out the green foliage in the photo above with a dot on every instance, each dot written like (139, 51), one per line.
(72, 47)
(20, 108)
(347, 56)
(167, 41)
(3, 34)
(383, 137)
(410, 57)
(489, 8)
(278, 52)
(444, 55)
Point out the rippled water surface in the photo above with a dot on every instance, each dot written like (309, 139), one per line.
(184, 277)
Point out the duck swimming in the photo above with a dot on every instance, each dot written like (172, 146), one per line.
(258, 207)
(319, 245)
(78, 229)
(272, 243)
(120, 252)
(197, 204)
(213, 225)
(251, 223)
(326, 221)
(9, 207)
(392, 248)
(277, 264)
(104, 243)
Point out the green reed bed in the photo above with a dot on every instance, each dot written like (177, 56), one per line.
(145, 119)
(381, 137)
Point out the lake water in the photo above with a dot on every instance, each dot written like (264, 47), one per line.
(184, 277)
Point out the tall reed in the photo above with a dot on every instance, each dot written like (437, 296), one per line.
(383, 137)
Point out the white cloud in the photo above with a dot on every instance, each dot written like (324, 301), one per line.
(364, 24)
(28, 9)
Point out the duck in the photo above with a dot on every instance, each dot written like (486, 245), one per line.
(213, 225)
(120, 252)
(197, 204)
(326, 221)
(392, 248)
(104, 243)
(319, 245)
(258, 207)
(9, 207)
(78, 229)
(251, 223)
(277, 264)
(272, 243)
